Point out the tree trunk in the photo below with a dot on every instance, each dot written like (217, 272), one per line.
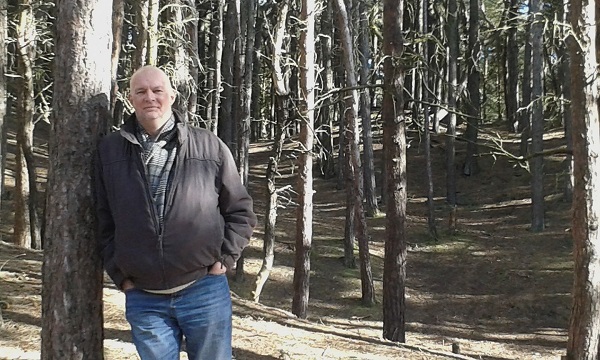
(227, 111)
(71, 272)
(428, 80)
(3, 99)
(326, 158)
(394, 144)
(214, 77)
(271, 211)
(584, 327)
(193, 59)
(304, 217)
(178, 56)
(452, 58)
(537, 120)
(140, 39)
(565, 81)
(525, 115)
(281, 123)
(370, 190)
(244, 99)
(117, 36)
(27, 224)
(153, 12)
(246, 91)
(471, 166)
(511, 64)
(353, 174)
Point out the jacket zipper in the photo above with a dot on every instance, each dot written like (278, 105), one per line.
(157, 228)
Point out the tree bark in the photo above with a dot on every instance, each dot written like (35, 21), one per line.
(354, 177)
(71, 271)
(271, 211)
(214, 77)
(117, 31)
(511, 64)
(525, 111)
(3, 88)
(27, 221)
(584, 327)
(452, 58)
(565, 81)
(140, 41)
(428, 80)
(304, 213)
(152, 45)
(394, 144)
(370, 190)
(471, 166)
(326, 158)
(537, 119)
(231, 26)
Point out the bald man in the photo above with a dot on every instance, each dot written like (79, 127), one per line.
(173, 216)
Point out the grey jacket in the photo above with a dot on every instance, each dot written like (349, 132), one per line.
(208, 212)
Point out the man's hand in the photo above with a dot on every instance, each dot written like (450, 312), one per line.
(127, 285)
(217, 268)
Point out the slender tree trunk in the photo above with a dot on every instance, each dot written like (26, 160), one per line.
(27, 225)
(525, 115)
(354, 177)
(214, 77)
(511, 65)
(537, 120)
(370, 190)
(152, 45)
(244, 98)
(326, 156)
(394, 146)
(140, 39)
(471, 166)
(280, 94)
(178, 56)
(244, 135)
(428, 81)
(271, 212)
(193, 58)
(72, 326)
(452, 106)
(584, 327)
(566, 101)
(3, 99)
(304, 216)
(227, 110)
(117, 36)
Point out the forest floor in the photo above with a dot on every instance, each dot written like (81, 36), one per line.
(493, 288)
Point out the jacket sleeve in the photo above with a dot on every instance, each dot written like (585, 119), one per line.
(236, 208)
(106, 227)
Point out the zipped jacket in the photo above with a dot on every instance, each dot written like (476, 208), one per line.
(208, 212)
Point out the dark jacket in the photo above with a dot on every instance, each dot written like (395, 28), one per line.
(208, 212)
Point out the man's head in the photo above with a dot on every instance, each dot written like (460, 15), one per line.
(152, 96)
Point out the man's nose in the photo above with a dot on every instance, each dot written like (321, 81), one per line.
(149, 96)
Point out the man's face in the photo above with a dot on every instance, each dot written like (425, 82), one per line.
(151, 95)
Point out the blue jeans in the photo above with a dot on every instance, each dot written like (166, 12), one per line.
(201, 313)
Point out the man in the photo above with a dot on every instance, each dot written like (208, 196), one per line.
(173, 216)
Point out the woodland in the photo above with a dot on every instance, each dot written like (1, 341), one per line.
(424, 172)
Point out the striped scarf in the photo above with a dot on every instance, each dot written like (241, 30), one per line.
(159, 156)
